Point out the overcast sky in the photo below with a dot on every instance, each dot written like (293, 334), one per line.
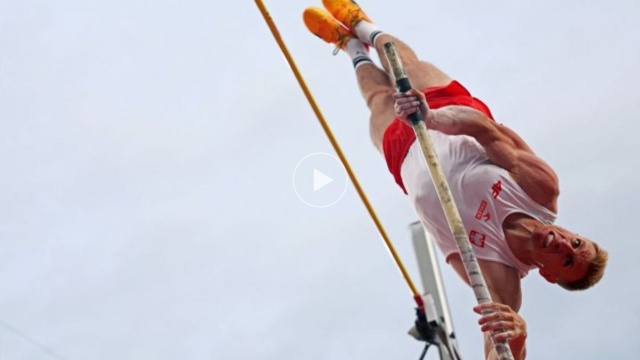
(147, 152)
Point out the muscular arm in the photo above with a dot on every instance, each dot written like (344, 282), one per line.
(503, 283)
(503, 147)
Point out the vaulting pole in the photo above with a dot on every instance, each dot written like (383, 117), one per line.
(458, 230)
(338, 150)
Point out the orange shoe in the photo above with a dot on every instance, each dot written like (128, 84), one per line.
(346, 11)
(324, 26)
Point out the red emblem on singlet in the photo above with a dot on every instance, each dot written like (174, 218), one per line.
(496, 189)
(480, 214)
(477, 238)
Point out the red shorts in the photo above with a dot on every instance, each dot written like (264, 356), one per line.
(399, 136)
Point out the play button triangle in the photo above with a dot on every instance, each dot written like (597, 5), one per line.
(320, 180)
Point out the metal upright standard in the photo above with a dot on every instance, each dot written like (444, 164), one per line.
(446, 198)
(435, 299)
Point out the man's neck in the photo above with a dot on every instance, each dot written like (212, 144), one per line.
(517, 230)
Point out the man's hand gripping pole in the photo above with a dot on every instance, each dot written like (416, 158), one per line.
(469, 260)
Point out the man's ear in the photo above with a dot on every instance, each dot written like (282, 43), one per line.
(550, 278)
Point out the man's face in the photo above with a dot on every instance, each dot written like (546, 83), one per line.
(562, 256)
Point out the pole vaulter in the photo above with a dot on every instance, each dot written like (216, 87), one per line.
(458, 230)
(505, 195)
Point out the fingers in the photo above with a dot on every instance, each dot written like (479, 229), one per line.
(407, 103)
(495, 312)
(411, 95)
(500, 321)
(406, 106)
(505, 336)
(411, 92)
(491, 307)
(498, 326)
(403, 98)
(496, 317)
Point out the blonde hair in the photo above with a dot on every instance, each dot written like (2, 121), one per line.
(595, 271)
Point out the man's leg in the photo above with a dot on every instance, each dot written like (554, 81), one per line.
(375, 85)
(377, 89)
(421, 74)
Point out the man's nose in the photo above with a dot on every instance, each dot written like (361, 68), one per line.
(565, 245)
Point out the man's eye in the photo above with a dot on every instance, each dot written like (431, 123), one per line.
(576, 243)
(568, 261)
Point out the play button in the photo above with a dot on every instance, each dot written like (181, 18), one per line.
(319, 180)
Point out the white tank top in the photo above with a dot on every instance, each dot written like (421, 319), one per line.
(484, 193)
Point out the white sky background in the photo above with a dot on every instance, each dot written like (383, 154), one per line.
(147, 149)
